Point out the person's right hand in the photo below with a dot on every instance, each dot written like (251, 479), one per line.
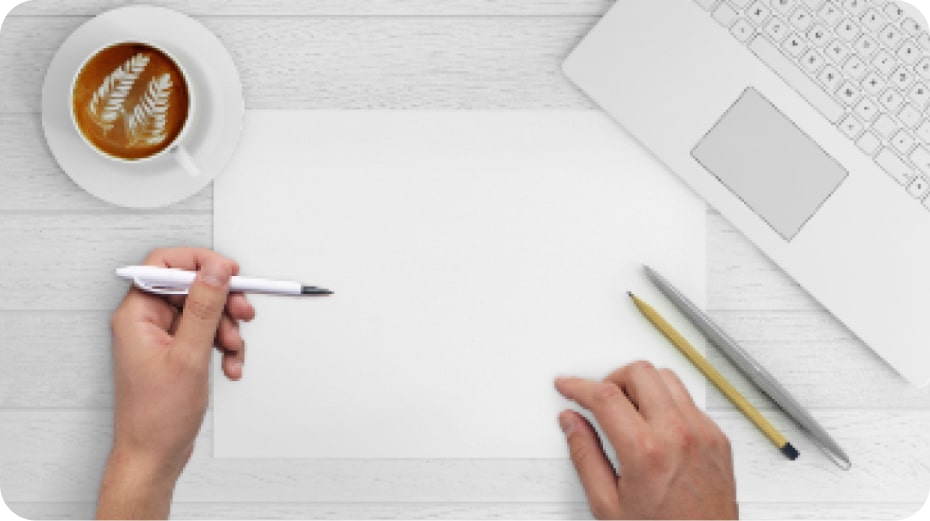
(675, 463)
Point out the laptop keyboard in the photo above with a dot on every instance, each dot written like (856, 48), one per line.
(863, 64)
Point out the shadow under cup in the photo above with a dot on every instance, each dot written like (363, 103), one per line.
(131, 101)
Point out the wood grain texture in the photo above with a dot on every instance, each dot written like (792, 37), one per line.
(32, 181)
(236, 510)
(57, 456)
(55, 386)
(261, 8)
(67, 262)
(352, 63)
(61, 360)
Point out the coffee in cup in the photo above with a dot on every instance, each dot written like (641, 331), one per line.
(131, 101)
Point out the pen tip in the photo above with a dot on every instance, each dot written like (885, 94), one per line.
(630, 293)
(314, 291)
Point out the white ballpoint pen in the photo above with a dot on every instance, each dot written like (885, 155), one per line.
(171, 281)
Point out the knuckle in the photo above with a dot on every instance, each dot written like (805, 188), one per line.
(651, 450)
(641, 366)
(202, 308)
(155, 255)
(682, 435)
(605, 393)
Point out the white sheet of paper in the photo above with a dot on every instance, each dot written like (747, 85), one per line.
(474, 257)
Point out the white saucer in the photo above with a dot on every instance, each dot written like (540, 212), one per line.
(216, 125)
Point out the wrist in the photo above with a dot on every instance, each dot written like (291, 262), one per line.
(138, 469)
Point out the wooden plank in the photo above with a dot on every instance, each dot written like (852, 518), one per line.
(264, 8)
(352, 63)
(743, 278)
(57, 456)
(33, 181)
(236, 510)
(41, 366)
(816, 358)
(66, 262)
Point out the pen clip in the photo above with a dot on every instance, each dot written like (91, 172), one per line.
(158, 290)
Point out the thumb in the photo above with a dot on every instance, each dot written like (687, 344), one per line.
(203, 308)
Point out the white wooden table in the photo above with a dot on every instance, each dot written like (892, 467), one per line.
(56, 290)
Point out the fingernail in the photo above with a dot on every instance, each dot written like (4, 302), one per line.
(567, 422)
(215, 274)
(236, 365)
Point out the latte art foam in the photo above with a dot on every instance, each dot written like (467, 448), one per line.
(130, 101)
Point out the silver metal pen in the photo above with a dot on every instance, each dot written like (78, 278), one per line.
(755, 372)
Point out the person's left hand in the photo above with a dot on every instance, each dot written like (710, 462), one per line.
(161, 358)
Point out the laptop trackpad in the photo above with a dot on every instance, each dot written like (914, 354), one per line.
(769, 163)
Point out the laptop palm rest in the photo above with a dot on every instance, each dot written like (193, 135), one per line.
(769, 163)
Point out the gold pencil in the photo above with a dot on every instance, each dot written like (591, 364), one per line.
(716, 378)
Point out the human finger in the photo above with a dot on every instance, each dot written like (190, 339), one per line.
(228, 337)
(640, 381)
(611, 408)
(203, 310)
(594, 470)
(233, 362)
(239, 308)
(190, 259)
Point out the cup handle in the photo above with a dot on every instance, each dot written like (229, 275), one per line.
(184, 159)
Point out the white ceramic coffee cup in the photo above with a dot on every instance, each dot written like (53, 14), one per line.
(176, 149)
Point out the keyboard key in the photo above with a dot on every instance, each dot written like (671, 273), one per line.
(902, 78)
(866, 109)
(923, 68)
(891, 100)
(849, 93)
(851, 126)
(873, 20)
(855, 68)
(868, 143)
(819, 35)
(794, 45)
(909, 53)
(706, 4)
(776, 29)
(789, 72)
(902, 142)
(921, 157)
(801, 19)
(758, 13)
(910, 116)
(830, 14)
(784, 7)
(920, 95)
(894, 166)
(831, 78)
(884, 62)
(874, 84)
(847, 30)
(893, 11)
(866, 46)
(890, 36)
(923, 40)
(856, 7)
(725, 15)
(743, 30)
(885, 126)
(918, 188)
(923, 132)
(837, 51)
(912, 27)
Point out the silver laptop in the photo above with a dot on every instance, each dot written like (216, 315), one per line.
(804, 122)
